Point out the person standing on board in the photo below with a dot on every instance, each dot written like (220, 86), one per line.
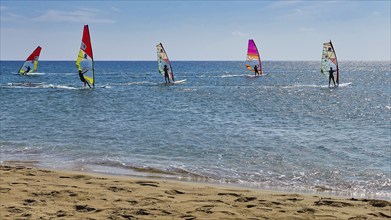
(166, 74)
(81, 75)
(331, 76)
(256, 70)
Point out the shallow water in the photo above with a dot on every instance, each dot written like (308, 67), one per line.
(286, 130)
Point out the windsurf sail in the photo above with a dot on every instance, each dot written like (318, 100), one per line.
(31, 63)
(329, 59)
(162, 59)
(85, 59)
(253, 58)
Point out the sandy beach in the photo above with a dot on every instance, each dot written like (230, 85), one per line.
(35, 193)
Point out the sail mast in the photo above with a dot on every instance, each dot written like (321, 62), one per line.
(336, 61)
(169, 63)
(87, 41)
(259, 58)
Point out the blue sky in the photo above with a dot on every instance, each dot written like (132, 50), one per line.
(196, 30)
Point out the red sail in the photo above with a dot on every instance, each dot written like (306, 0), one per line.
(87, 48)
(35, 54)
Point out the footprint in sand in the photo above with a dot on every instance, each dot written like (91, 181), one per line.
(148, 183)
(173, 192)
(132, 202)
(229, 194)
(377, 203)
(307, 210)
(4, 190)
(188, 217)
(29, 202)
(246, 199)
(84, 208)
(117, 189)
(81, 177)
(15, 210)
(64, 177)
(142, 212)
(61, 213)
(205, 208)
(380, 215)
(332, 203)
(228, 213)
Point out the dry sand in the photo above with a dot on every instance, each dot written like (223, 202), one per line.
(34, 193)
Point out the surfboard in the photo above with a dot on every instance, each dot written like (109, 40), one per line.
(254, 76)
(179, 81)
(173, 83)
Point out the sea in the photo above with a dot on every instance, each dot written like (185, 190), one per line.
(285, 131)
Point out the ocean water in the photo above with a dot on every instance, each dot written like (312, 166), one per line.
(284, 131)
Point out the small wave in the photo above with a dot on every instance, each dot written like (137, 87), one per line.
(130, 83)
(105, 87)
(227, 76)
(187, 90)
(173, 171)
(35, 74)
(315, 86)
(118, 164)
(20, 162)
(303, 86)
(138, 83)
(42, 85)
(22, 85)
(62, 87)
(219, 76)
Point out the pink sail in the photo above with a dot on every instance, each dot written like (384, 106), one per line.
(253, 58)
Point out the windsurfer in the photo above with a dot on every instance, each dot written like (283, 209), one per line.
(81, 75)
(166, 74)
(28, 68)
(256, 70)
(331, 75)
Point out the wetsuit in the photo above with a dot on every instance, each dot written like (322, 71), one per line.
(256, 70)
(28, 68)
(83, 79)
(331, 76)
(166, 74)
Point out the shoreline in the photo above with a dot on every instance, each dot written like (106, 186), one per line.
(159, 175)
(32, 192)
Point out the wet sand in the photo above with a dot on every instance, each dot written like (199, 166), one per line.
(35, 193)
